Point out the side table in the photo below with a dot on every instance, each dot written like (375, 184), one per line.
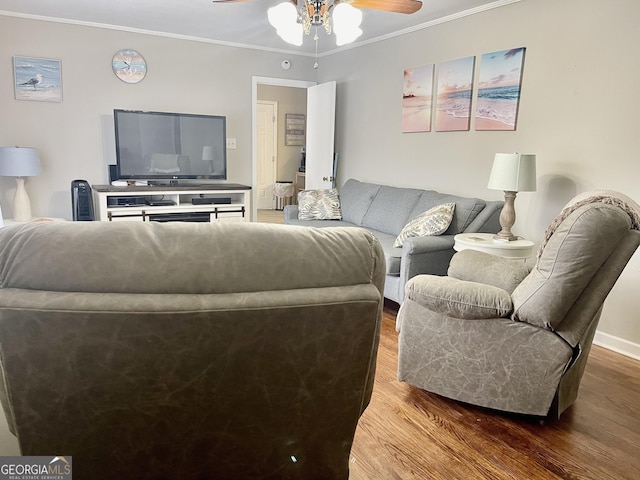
(484, 242)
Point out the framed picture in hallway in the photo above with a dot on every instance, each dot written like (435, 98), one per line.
(37, 79)
(295, 128)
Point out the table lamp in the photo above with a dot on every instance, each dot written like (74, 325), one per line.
(511, 173)
(20, 162)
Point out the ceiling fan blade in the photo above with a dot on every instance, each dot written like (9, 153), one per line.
(397, 6)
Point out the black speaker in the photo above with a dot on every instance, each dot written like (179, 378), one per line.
(81, 201)
(113, 173)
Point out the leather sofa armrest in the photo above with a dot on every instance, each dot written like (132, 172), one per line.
(456, 298)
(481, 267)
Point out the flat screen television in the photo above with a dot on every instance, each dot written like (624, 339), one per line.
(166, 147)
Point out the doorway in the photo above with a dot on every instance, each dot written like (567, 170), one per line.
(256, 81)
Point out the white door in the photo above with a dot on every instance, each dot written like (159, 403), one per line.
(266, 115)
(321, 117)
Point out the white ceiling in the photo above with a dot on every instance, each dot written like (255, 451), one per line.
(232, 23)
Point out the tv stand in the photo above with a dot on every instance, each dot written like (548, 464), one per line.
(224, 202)
(174, 183)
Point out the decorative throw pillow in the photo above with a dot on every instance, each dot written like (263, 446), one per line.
(319, 205)
(434, 221)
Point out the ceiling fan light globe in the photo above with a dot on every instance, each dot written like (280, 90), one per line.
(284, 18)
(347, 37)
(282, 15)
(292, 34)
(346, 23)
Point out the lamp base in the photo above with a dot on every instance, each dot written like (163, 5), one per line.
(507, 218)
(504, 237)
(21, 203)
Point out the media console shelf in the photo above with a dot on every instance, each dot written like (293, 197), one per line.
(225, 202)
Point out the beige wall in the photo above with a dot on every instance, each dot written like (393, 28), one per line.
(75, 138)
(578, 111)
(578, 114)
(290, 100)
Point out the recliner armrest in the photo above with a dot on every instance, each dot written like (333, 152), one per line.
(458, 298)
(475, 266)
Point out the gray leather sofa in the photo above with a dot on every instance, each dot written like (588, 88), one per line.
(191, 351)
(495, 335)
(385, 210)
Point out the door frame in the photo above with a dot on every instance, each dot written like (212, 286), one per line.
(255, 81)
(274, 152)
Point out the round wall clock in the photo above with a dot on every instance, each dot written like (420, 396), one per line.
(129, 66)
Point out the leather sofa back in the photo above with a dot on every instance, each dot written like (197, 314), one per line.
(189, 351)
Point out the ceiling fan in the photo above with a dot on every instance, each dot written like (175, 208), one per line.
(290, 19)
(396, 6)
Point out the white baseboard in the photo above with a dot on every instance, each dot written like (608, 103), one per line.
(617, 344)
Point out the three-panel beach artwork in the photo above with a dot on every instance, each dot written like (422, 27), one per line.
(496, 100)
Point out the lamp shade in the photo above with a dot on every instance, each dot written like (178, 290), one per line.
(208, 153)
(19, 162)
(513, 172)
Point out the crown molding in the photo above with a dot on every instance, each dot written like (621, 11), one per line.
(287, 51)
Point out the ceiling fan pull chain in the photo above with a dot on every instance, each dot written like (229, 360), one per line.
(315, 37)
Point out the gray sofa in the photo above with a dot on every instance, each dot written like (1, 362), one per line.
(191, 351)
(385, 210)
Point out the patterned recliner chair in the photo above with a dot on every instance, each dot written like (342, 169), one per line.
(493, 334)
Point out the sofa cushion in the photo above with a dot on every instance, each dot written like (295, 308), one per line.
(319, 205)
(573, 254)
(467, 209)
(434, 221)
(356, 199)
(390, 209)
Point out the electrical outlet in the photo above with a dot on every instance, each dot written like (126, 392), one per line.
(231, 143)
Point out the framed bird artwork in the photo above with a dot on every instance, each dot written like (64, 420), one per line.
(38, 79)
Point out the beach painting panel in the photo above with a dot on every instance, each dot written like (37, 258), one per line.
(37, 79)
(455, 84)
(499, 82)
(417, 99)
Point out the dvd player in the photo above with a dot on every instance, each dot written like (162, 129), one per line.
(211, 200)
(126, 201)
(161, 203)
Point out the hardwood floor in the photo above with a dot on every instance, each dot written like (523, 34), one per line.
(270, 216)
(408, 433)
